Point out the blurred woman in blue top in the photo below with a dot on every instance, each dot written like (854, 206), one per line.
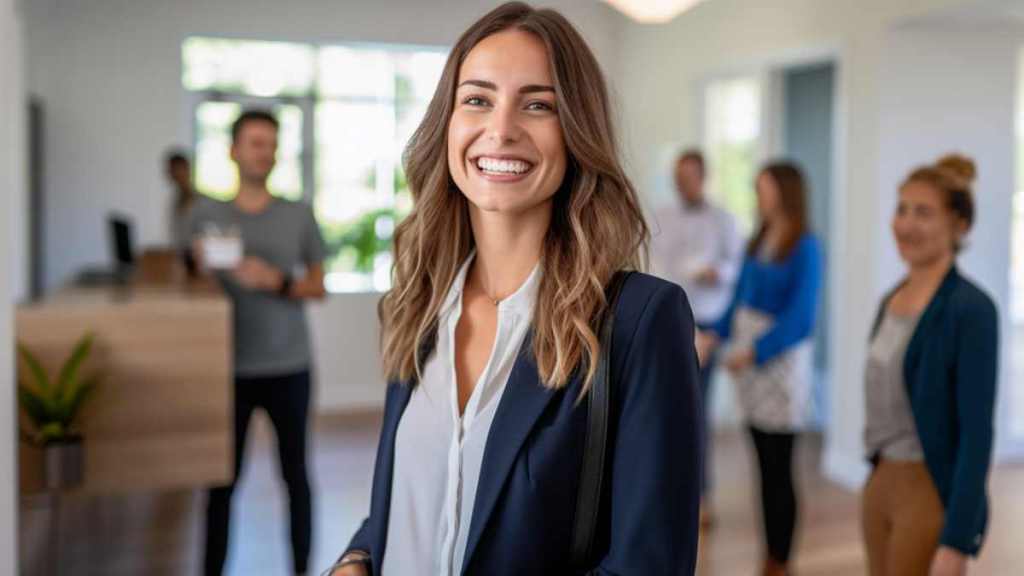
(768, 328)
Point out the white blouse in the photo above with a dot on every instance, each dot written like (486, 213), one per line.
(438, 454)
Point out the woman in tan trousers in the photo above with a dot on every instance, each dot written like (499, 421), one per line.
(930, 389)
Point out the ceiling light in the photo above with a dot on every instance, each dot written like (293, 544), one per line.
(653, 11)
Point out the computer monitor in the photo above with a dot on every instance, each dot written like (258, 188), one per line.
(121, 242)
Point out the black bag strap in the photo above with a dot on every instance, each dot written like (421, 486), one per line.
(588, 499)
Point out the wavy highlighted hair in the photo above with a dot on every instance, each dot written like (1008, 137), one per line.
(597, 226)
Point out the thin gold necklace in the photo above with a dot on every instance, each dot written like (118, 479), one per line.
(487, 293)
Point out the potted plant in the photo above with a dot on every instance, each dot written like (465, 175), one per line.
(52, 407)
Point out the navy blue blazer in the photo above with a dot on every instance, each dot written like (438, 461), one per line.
(525, 501)
(950, 370)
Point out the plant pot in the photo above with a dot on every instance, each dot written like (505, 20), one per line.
(63, 464)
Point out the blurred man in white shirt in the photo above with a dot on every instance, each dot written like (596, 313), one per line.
(699, 247)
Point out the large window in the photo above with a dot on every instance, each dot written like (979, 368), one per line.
(732, 131)
(346, 113)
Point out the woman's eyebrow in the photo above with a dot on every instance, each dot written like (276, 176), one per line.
(533, 88)
(480, 84)
(528, 89)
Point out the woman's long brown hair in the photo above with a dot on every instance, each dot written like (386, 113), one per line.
(597, 226)
(793, 203)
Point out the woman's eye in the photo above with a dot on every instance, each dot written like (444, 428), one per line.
(474, 101)
(540, 106)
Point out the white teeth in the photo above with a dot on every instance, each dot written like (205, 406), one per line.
(503, 166)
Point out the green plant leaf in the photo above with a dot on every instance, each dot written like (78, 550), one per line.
(52, 432)
(79, 393)
(39, 376)
(34, 406)
(361, 236)
(52, 407)
(69, 373)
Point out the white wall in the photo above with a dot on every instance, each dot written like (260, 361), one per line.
(11, 190)
(951, 87)
(662, 67)
(345, 331)
(662, 70)
(109, 74)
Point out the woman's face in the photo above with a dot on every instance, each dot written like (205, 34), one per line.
(767, 197)
(924, 228)
(506, 152)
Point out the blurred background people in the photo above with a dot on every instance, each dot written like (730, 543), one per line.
(699, 247)
(279, 266)
(178, 169)
(930, 388)
(768, 327)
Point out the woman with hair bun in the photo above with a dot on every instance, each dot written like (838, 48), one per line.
(930, 387)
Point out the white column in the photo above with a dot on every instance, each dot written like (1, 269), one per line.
(11, 195)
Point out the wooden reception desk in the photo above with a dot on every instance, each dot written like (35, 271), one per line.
(161, 415)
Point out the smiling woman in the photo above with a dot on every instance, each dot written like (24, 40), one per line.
(520, 84)
(522, 221)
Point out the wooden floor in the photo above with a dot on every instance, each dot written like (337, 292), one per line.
(157, 535)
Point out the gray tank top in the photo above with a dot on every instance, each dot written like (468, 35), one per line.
(890, 431)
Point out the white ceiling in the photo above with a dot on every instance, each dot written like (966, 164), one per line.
(989, 14)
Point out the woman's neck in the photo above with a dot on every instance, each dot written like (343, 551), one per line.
(922, 283)
(774, 231)
(508, 248)
(928, 276)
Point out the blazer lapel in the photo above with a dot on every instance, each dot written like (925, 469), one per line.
(925, 326)
(380, 505)
(521, 405)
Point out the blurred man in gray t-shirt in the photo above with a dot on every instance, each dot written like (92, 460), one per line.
(280, 266)
(282, 239)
